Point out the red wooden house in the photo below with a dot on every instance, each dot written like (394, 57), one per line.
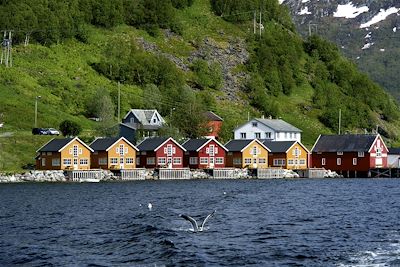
(205, 153)
(349, 153)
(160, 152)
(214, 124)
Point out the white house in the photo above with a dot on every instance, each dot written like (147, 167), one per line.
(394, 158)
(268, 129)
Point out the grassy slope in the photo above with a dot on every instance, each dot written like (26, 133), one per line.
(62, 73)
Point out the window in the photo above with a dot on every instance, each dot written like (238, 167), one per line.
(360, 154)
(169, 150)
(80, 151)
(255, 151)
(177, 161)
(75, 150)
(151, 161)
(75, 161)
(237, 161)
(302, 162)
(262, 160)
(339, 153)
(247, 161)
(290, 162)
(354, 161)
(121, 150)
(211, 150)
(95, 153)
(43, 162)
(279, 162)
(254, 124)
(49, 153)
(137, 161)
(67, 162)
(286, 135)
(379, 151)
(219, 160)
(129, 161)
(296, 152)
(255, 161)
(121, 160)
(242, 135)
(161, 161)
(169, 160)
(55, 162)
(83, 161)
(193, 161)
(230, 153)
(113, 160)
(323, 161)
(203, 161)
(338, 161)
(257, 135)
(144, 153)
(267, 135)
(102, 161)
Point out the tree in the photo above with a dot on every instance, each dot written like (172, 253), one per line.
(70, 128)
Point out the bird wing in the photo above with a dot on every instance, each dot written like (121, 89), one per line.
(206, 219)
(191, 220)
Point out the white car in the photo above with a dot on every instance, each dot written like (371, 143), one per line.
(52, 131)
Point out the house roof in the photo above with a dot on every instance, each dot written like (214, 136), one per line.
(197, 144)
(394, 151)
(238, 145)
(344, 143)
(56, 145)
(144, 115)
(278, 125)
(279, 146)
(102, 144)
(141, 126)
(152, 144)
(211, 116)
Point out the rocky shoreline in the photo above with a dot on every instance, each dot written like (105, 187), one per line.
(105, 175)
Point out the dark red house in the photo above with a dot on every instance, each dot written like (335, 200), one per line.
(349, 154)
(205, 153)
(214, 124)
(162, 152)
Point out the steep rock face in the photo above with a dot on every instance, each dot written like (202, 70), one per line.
(230, 55)
(367, 31)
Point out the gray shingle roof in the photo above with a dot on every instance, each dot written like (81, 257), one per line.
(394, 151)
(237, 145)
(212, 116)
(278, 125)
(194, 144)
(344, 143)
(150, 144)
(102, 144)
(278, 146)
(55, 145)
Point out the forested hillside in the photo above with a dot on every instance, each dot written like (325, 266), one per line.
(180, 57)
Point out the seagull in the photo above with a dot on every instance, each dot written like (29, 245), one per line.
(150, 206)
(196, 228)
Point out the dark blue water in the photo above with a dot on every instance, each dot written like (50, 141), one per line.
(330, 222)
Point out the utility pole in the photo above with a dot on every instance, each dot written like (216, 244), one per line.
(119, 101)
(340, 118)
(36, 104)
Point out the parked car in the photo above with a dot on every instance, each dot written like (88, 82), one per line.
(39, 131)
(52, 131)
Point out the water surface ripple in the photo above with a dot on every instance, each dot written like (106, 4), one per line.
(326, 222)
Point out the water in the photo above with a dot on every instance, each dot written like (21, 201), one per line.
(327, 222)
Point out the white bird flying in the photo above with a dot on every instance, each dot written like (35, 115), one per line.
(196, 228)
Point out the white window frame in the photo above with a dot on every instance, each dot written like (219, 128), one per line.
(247, 161)
(84, 161)
(354, 161)
(162, 161)
(378, 152)
(67, 162)
(237, 161)
(339, 153)
(290, 162)
(361, 154)
(102, 161)
(203, 160)
(257, 135)
(323, 161)
(113, 160)
(279, 162)
(129, 161)
(338, 161)
(219, 160)
(43, 162)
(137, 161)
(268, 135)
(177, 161)
(262, 160)
(302, 162)
(150, 161)
(242, 135)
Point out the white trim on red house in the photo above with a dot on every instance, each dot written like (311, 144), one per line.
(209, 140)
(166, 141)
(376, 138)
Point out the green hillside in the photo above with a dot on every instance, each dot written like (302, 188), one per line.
(182, 58)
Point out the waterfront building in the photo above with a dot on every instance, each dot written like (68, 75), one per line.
(394, 158)
(349, 152)
(206, 153)
(247, 154)
(113, 153)
(162, 152)
(214, 124)
(141, 123)
(64, 154)
(268, 129)
(291, 155)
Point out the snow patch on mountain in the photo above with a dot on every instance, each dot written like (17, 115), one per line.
(367, 45)
(305, 1)
(382, 15)
(349, 11)
(304, 11)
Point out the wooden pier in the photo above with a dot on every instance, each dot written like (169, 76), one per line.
(174, 174)
(133, 175)
(83, 175)
(270, 173)
(224, 173)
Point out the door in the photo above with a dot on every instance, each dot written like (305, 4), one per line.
(212, 160)
(121, 163)
(75, 163)
(169, 162)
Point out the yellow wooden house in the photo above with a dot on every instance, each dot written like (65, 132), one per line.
(64, 154)
(251, 154)
(291, 155)
(113, 153)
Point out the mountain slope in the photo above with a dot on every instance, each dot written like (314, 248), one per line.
(368, 32)
(200, 61)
